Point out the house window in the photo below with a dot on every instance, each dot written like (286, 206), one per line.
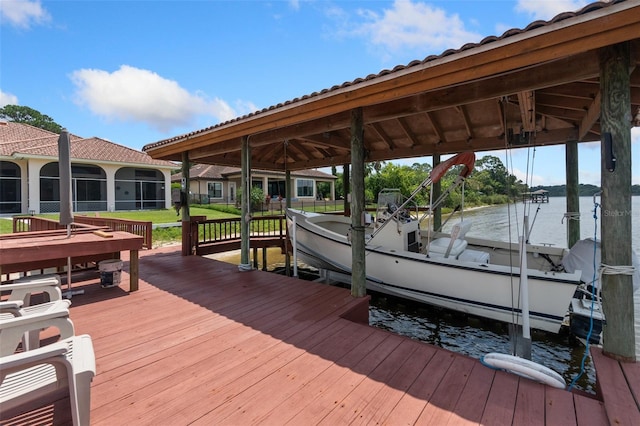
(10, 185)
(88, 188)
(215, 189)
(139, 189)
(304, 187)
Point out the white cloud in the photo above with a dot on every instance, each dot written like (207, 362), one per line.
(7, 99)
(134, 94)
(547, 9)
(295, 4)
(23, 13)
(531, 180)
(409, 24)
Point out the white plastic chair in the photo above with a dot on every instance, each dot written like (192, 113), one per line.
(23, 288)
(32, 375)
(43, 314)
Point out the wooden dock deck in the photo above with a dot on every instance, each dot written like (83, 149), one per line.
(201, 343)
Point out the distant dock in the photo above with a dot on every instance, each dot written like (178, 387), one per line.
(539, 196)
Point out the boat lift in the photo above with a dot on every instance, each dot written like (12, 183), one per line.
(467, 159)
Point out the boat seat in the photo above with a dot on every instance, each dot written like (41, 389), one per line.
(475, 256)
(454, 245)
(438, 247)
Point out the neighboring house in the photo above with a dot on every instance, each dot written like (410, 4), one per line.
(105, 176)
(219, 184)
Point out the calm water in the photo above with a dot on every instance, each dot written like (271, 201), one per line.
(474, 336)
(546, 221)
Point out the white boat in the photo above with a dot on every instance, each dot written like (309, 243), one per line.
(470, 275)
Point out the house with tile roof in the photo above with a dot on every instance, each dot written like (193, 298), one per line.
(219, 184)
(106, 176)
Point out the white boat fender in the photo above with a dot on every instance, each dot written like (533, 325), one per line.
(525, 368)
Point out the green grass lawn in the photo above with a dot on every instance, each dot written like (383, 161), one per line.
(155, 216)
(160, 236)
(6, 226)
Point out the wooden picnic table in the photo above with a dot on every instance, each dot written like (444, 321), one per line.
(30, 252)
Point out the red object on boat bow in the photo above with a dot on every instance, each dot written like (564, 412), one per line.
(468, 159)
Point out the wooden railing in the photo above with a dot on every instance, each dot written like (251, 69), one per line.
(37, 224)
(34, 224)
(264, 230)
(137, 227)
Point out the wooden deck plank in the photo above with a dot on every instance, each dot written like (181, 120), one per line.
(258, 400)
(201, 342)
(351, 407)
(502, 400)
(618, 399)
(258, 352)
(416, 398)
(470, 405)
(530, 404)
(631, 372)
(231, 383)
(388, 396)
(589, 411)
(315, 395)
(448, 391)
(326, 402)
(559, 408)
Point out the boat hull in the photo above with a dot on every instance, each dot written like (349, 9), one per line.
(486, 290)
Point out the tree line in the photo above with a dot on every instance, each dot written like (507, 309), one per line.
(489, 183)
(584, 190)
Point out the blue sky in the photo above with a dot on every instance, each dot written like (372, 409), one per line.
(135, 72)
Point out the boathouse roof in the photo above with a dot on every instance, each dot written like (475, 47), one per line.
(533, 86)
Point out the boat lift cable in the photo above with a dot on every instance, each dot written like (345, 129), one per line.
(533, 223)
(595, 297)
(594, 291)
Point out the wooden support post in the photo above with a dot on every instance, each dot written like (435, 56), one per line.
(358, 267)
(287, 194)
(287, 188)
(615, 211)
(245, 222)
(255, 257)
(437, 191)
(134, 270)
(264, 258)
(186, 217)
(346, 185)
(573, 193)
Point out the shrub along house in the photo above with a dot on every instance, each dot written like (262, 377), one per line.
(105, 176)
(219, 184)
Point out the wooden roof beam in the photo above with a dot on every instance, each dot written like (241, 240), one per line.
(501, 114)
(436, 128)
(593, 114)
(328, 139)
(299, 150)
(467, 121)
(407, 130)
(527, 103)
(377, 128)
